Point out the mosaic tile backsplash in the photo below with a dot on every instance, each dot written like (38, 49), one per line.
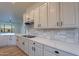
(68, 35)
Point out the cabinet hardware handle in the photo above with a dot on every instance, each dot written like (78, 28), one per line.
(33, 43)
(56, 52)
(57, 23)
(61, 23)
(34, 48)
(28, 18)
(10, 39)
(17, 40)
(23, 43)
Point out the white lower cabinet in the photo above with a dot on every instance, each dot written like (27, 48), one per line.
(7, 40)
(31, 50)
(50, 51)
(18, 42)
(34, 50)
(26, 49)
(38, 51)
(4, 40)
(47, 53)
(22, 43)
(12, 40)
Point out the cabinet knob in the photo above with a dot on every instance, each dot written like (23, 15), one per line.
(61, 23)
(33, 43)
(56, 52)
(34, 48)
(10, 39)
(17, 40)
(23, 43)
(57, 24)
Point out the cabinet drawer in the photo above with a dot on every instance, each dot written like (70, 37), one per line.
(34, 43)
(38, 45)
(62, 53)
(57, 51)
(31, 42)
(47, 53)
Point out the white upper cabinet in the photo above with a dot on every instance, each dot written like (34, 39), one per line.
(53, 14)
(40, 16)
(62, 15)
(36, 17)
(77, 14)
(28, 16)
(68, 14)
(31, 15)
(43, 16)
(24, 17)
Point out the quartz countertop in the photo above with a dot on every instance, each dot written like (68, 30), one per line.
(68, 47)
(7, 33)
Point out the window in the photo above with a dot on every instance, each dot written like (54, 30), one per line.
(7, 28)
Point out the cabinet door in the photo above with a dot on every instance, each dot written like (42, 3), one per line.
(17, 41)
(12, 40)
(43, 16)
(53, 14)
(4, 40)
(47, 53)
(38, 51)
(31, 51)
(67, 14)
(24, 17)
(31, 48)
(26, 46)
(31, 14)
(36, 17)
(20, 43)
(77, 14)
(23, 43)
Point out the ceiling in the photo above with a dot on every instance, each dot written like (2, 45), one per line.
(11, 5)
(10, 10)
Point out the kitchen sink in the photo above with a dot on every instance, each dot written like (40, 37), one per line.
(28, 36)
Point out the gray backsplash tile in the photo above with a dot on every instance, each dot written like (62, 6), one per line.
(68, 35)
